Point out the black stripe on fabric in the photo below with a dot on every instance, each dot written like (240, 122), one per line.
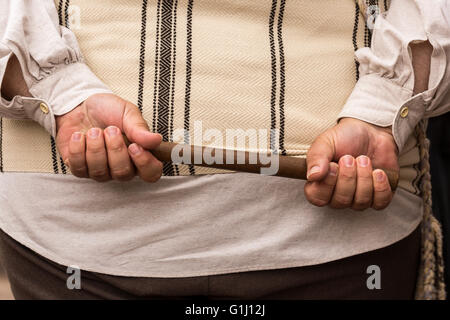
(142, 55)
(66, 14)
(282, 76)
(52, 140)
(367, 31)
(355, 36)
(174, 63)
(60, 6)
(187, 96)
(165, 68)
(1, 144)
(366, 36)
(66, 23)
(63, 166)
(273, 120)
(54, 157)
(155, 83)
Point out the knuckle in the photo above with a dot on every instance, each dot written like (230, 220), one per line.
(382, 188)
(158, 171)
(335, 205)
(79, 172)
(74, 153)
(122, 174)
(361, 204)
(381, 204)
(347, 175)
(365, 177)
(312, 194)
(153, 178)
(330, 182)
(144, 162)
(318, 202)
(115, 147)
(98, 173)
(342, 201)
(96, 149)
(101, 179)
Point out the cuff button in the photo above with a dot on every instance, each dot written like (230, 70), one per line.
(43, 107)
(404, 112)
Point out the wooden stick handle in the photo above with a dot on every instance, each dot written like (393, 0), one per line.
(243, 161)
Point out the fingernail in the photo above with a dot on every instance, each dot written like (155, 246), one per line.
(76, 136)
(363, 161)
(333, 170)
(348, 161)
(380, 176)
(313, 170)
(135, 149)
(94, 133)
(112, 131)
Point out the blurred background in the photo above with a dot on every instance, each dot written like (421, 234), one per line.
(5, 292)
(439, 135)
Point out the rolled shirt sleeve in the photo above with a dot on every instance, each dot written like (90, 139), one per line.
(384, 93)
(50, 59)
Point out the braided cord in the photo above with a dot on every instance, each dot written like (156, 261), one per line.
(431, 283)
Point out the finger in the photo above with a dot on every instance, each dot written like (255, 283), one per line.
(319, 157)
(149, 168)
(319, 192)
(136, 128)
(96, 156)
(77, 155)
(382, 194)
(120, 166)
(364, 184)
(346, 184)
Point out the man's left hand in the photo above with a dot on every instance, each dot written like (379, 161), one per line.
(341, 163)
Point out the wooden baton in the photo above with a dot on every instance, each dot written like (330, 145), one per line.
(243, 161)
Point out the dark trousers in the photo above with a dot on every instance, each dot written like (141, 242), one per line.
(35, 277)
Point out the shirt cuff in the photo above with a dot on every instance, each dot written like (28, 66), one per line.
(20, 108)
(60, 92)
(382, 102)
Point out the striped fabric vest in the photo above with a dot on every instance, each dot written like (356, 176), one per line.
(285, 65)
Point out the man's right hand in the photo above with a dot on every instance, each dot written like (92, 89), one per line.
(90, 141)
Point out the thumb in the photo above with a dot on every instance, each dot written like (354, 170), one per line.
(136, 128)
(319, 157)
